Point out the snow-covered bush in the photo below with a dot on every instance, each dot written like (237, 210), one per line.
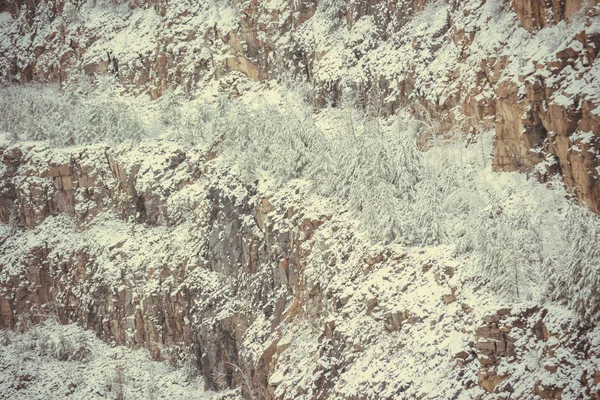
(108, 372)
(74, 345)
(273, 140)
(4, 338)
(509, 250)
(62, 342)
(375, 170)
(264, 137)
(67, 118)
(204, 125)
(372, 169)
(170, 110)
(182, 359)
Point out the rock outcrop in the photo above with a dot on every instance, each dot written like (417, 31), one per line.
(528, 68)
(159, 248)
(156, 305)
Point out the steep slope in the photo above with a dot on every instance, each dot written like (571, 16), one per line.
(313, 252)
(529, 68)
(269, 287)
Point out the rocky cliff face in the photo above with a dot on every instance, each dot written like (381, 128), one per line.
(527, 68)
(268, 289)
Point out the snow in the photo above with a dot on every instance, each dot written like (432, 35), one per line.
(30, 369)
(583, 137)
(5, 18)
(411, 279)
(442, 221)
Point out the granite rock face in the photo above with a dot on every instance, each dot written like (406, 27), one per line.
(156, 247)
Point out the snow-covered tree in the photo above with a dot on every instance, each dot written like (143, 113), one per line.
(67, 117)
(170, 109)
(577, 277)
(508, 249)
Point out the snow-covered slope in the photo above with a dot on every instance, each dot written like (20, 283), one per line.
(300, 200)
(277, 256)
(528, 68)
(51, 361)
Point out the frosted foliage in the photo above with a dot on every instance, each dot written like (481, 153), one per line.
(170, 110)
(577, 269)
(398, 193)
(376, 170)
(67, 118)
(372, 169)
(368, 166)
(63, 345)
(50, 361)
(510, 251)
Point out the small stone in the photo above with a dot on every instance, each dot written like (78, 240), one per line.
(485, 361)
(371, 303)
(344, 299)
(449, 298)
(488, 380)
(503, 312)
(551, 368)
(490, 319)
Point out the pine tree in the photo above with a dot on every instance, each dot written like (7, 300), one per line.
(578, 281)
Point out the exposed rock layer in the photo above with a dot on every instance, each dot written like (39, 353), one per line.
(544, 108)
(256, 294)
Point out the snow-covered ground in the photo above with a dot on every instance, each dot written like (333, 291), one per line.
(413, 250)
(53, 361)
